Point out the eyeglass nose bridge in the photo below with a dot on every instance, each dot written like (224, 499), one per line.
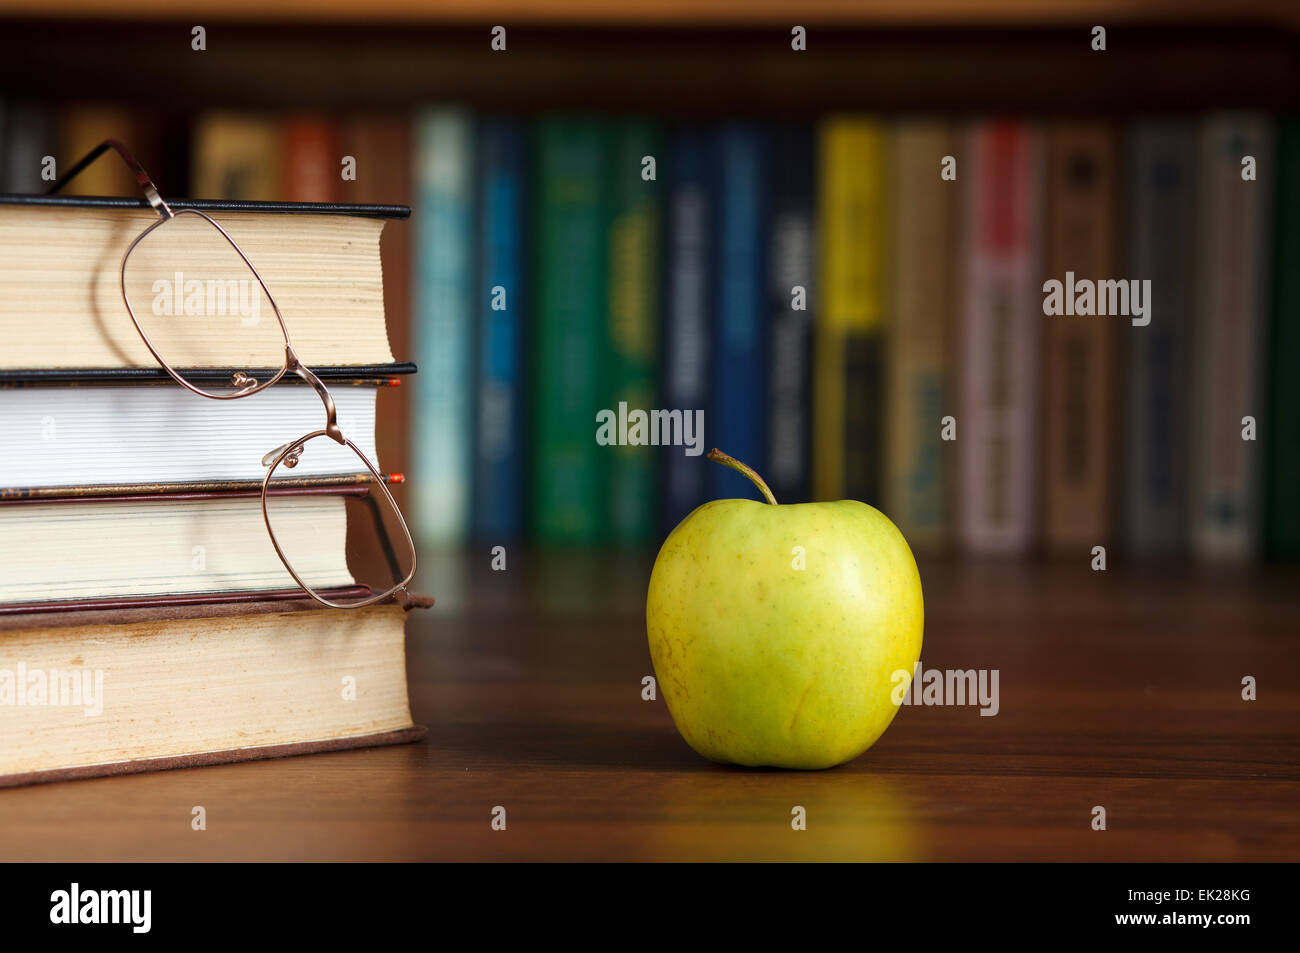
(331, 414)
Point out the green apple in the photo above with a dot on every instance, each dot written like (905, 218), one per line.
(780, 633)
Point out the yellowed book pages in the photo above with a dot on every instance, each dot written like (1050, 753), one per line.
(125, 548)
(103, 694)
(63, 307)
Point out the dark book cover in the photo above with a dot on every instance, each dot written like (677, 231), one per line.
(684, 367)
(738, 346)
(792, 264)
(1282, 468)
(501, 297)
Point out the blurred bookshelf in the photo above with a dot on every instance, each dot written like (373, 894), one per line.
(701, 63)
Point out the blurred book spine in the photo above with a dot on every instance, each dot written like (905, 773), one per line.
(81, 128)
(918, 494)
(633, 321)
(28, 139)
(1079, 345)
(792, 306)
(237, 157)
(998, 419)
(848, 357)
(737, 352)
(1282, 503)
(1160, 225)
(687, 276)
(499, 463)
(442, 458)
(1231, 298)
(312, 166)
(570, 488)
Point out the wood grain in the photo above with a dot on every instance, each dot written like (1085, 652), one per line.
(1119, 689)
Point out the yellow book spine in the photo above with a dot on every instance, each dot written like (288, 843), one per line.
(237, 157)
(81, 129)
(853, 216)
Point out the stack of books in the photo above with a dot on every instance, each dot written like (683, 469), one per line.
(146, 620)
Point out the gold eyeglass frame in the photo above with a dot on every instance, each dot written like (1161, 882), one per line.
(288, 453)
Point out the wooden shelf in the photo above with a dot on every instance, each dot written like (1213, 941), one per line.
(628, 13)
(664, 72)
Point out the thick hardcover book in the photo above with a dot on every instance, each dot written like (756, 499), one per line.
(501, 303)
(1161, 230)
(150, 545)
(792, 309)
(1233, 259)
(738, 348)
(918, 492)
(570, 499)
(849, 348)
(684, 375)
(1078, 373)
(443, 423)
(997, 425)
(129, 203)
(108, 691)
(375, 374)
(1282, 478)
(321, 260)
(633, 321)
(92, 433)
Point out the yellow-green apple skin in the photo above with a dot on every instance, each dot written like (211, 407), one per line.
(762, 662)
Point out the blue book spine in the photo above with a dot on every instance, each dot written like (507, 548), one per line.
(442, 421)
(792, 262)
(501, 297)
(684, 376)
(1162, 177)
(736, 421)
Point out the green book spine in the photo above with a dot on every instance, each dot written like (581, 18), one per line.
(1282, 479)
(569, 478)
(633, 320)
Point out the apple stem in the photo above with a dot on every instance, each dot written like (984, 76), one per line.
(717, 456)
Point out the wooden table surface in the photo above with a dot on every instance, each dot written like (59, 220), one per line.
(1118, 688)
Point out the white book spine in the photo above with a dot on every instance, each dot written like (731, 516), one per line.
(1231, 302)
(997, 426)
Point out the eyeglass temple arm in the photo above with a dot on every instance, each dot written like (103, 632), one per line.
(141, 176)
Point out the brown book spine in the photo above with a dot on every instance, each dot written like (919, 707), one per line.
(381, 146)
(1079, 348)
(313, 163)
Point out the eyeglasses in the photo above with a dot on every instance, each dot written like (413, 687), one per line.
(191, 291)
